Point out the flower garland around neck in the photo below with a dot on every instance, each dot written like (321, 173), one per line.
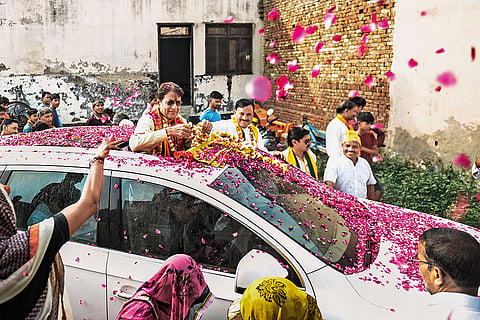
(161, 122)
(241, 133)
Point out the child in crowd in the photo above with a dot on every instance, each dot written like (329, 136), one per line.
(32, 119)
(369, 147)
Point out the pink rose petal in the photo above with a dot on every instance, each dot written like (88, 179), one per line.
(272, 44)
(377, 159)
(390, 75)
(353, 93)
(316, 70)
(273, 14)
(104, 285)
(318, 46)
(361, 49)
(77, 259)
(329, 19)
(272, 58)
(292, 65)
(25, 273)
(298, 34)
(383, 24)
(337, 38)
(423, 13)
(283, 83)
(473, 53)
(261, 31)
(412, 63)
(377, 125)
(438, 88)
(311, 29)
(368, 28)
(462, 161)
(448, 79)
(228, 20)
(259, 88)
(369, 81)
(441, 50)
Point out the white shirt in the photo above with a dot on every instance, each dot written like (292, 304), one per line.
(228, 127)
(349, 178)
(475, 171)
(448, 305)
(335, 134)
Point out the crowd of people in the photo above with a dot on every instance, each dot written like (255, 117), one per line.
(448, 260)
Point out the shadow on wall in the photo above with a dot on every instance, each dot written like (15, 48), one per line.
(446, 143)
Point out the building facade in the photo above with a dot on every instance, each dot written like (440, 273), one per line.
(113, 49)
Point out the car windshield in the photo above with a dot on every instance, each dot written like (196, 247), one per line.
(299, 214)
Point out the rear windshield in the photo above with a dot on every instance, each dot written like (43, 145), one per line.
(302, 216)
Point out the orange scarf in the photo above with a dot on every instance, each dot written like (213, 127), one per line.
(345, 122)
(168, 146)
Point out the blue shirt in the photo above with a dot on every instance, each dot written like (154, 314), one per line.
(56, 119)
(210, 115)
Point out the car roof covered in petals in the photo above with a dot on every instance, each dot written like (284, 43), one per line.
(398, 229)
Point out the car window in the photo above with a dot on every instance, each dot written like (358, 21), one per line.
(158, 222)
(300, 215)
(39, 195)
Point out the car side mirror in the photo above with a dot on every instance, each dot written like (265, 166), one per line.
(257, 264)
(269, 112)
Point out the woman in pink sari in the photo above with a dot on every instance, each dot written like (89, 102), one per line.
(177, 292)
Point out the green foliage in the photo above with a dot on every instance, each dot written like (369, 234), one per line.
(431, 186)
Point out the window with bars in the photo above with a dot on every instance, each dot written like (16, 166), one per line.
(228, 48)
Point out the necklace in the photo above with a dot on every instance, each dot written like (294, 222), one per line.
(241, 133)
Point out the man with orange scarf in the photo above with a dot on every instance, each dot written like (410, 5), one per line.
(161, 130)
(338, 126)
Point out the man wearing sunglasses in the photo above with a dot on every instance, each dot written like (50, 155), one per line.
(449, 263)
(298, 152)
(161, 130)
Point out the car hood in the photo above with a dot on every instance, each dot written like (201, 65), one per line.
(392, 281)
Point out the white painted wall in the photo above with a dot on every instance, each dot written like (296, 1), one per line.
(100, 38)
(454, 26)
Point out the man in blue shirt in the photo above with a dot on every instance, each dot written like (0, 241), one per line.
(215, 103)
(55, 102)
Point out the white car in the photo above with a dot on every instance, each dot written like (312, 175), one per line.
(351, 256)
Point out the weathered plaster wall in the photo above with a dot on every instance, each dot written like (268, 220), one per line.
(85, 49)
(424, 122)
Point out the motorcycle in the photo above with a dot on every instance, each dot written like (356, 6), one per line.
(273, 131)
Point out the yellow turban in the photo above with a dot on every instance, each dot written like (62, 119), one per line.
(351, 135)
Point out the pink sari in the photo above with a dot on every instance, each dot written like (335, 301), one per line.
(177, 292)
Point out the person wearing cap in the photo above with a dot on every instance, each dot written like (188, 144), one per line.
(274, 298)
(350, 173)
(97, 118)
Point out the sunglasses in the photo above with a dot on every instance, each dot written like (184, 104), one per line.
(307, 141)
(171, 103)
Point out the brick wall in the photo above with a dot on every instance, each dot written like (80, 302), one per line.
(341, 70)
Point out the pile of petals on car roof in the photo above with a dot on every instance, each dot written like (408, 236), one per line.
(373, 221)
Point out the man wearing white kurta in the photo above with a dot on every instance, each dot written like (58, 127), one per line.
(338, 126)
(350, 173)
(240, 126)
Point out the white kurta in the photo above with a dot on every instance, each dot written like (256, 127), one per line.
(335, 134)
(349, 178)
(228, 127)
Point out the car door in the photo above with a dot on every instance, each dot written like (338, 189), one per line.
(153, 219)
(38, 192)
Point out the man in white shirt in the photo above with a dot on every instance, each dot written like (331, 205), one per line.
(449, 264)
(476, 169)
(338, 126)
(350, 173)
(241, 126)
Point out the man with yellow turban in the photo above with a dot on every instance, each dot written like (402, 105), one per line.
(350, 173)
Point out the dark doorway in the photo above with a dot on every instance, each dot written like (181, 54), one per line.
(175, 57)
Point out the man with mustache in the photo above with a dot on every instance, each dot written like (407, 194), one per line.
(241, 126)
